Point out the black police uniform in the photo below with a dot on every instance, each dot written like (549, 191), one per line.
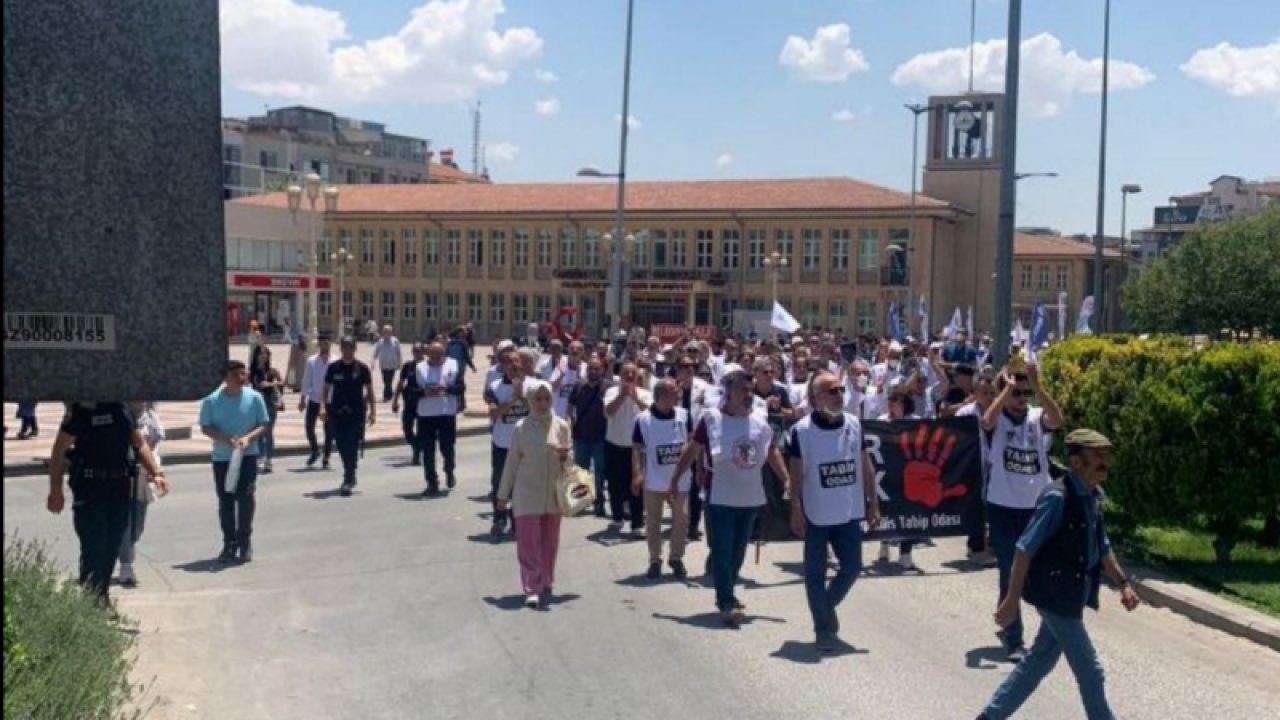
(102, 463)
(347, 412)
(409, 411)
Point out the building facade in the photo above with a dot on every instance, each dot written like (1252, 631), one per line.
(1228, 197)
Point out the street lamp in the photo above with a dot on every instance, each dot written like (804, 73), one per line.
(591, 171)
(1099, 237)
(778, 263)
(1125, 191)
(1025, 175)
(339, 259)
(311, 187)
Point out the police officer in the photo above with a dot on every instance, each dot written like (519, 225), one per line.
(410, 391)
(102, 439)
(348, 405)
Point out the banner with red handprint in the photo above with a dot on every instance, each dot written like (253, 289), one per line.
(929, 474)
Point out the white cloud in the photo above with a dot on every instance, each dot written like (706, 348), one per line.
(724, 160)
(1050, 75)
(1241, 72)
(826, 58)
(633, 123)
(844, 116)
(445, 52)
(548, 107)
(545, 76)
(501, 151)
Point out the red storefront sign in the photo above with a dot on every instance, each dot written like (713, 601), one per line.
(278, 282)
(671, 332)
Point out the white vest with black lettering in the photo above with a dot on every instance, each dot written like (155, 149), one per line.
(833, 477)
(1019, 462)
(504, 428)
(664, 442)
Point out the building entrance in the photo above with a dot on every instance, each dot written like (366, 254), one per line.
(647, 312)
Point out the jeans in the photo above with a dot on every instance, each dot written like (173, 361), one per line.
(269, 437)
(235, 510)
(313, 414)
(347, 433)
(409, 426)
(1058, 636)
(1007, 525)
(618, 468)
(497, 461)
(388, 384)
(728, 534)
(443, 431)
(133, 533)
(590, 456)
(99, 524)
(846, 541)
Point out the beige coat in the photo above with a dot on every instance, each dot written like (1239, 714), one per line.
(534, 466)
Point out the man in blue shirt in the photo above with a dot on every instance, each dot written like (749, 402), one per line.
(1057, 569)
(959, 351)
(234, 417)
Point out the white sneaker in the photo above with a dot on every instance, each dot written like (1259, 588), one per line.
(884, 552)
(904, 561)
(531, 602)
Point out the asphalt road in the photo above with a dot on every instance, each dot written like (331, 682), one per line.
(388, 606)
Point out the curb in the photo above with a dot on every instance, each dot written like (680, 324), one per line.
(1201, 607)
(29, 469)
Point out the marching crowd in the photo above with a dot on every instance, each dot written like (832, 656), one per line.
(707, 433)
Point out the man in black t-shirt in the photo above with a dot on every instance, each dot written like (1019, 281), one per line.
(407, 388)
(348, 405)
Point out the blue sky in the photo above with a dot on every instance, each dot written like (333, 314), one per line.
(715, 95)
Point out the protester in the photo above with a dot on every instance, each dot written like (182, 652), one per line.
(693, 392)
(536, 460)
(587, 418)
(30, 427)
(832, 492)
(1017, 438)
(660, 436)
(146, 489)
(623, 403)
(235, 417)
(312, 401)
(982, 396)
(902, 406)
(1057, 568)
(506, 400)
(266, 380)
(349, 405)
(408, 390)
(440, 402)
(388, 359)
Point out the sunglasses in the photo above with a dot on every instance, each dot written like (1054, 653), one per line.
(1025, 393)
(837, 390)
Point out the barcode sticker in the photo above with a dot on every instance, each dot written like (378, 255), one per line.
(59, 331)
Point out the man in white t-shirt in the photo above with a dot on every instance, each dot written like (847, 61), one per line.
(661, 433)
(440, 382)
(832, 492)
(1018, 454)
(387, 357)
(623, 403)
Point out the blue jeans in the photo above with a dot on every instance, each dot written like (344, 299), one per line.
(1058, 636)
(1007, 525)
(729, 533)
(846, 541)
(590, 456)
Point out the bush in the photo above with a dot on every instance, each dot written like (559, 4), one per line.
(1196, 431)
(63, 655)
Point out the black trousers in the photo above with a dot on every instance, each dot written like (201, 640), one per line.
(409, 426)
(347, 432)
(617, 469)
(313, 414)
(442, 431)
(236, 510)
(100, 524)
(388, 384)
(695, 508)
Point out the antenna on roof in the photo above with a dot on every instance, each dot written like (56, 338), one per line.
(476, 161)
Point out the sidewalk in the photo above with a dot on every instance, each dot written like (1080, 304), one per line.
(181, 419)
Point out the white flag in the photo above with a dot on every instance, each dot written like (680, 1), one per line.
(782, 320)
(924, 319)
(1062, 315)
(1086, 313)
(968, 324)
(1018, 334)
(957, 323)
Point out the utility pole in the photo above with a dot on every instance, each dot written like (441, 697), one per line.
(1008, 188)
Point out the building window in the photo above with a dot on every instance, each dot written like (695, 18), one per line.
(475, 307)
(755, 249)
(325, 306)
(659, 249)
(812, 250)
(520, 256)
(498, 251)
(430, 306)
(840, 250)
(785, 244)
(344, 238)
(1043, 280)
(809, 313)
(640, 251)
(568, 249)
(269, 159)
(1026, 277)
(1062, 277)
(542, 308)
(475, 248)
(324, 247)
(453, 247)
(679, 257)
(347, 310)
(867, 317)
(451, 307)
(520, 308)
(868, 249)
(388, 306)
(544, 248)
(497, 307)
(837, 313)
(591, 249)
(409, 306)
(366, 247)
(410, 248)
(388, 247)
(731, 245)
(705, 240)
(431, 247)
(366, 304)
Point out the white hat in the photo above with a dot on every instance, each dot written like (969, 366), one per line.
(505, 345)
(895, 346)
(935, 346)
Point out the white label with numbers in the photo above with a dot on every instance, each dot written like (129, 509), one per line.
(59, 331)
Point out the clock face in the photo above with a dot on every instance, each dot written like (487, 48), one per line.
(965, 120)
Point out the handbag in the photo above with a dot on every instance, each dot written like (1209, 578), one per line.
(575, 490)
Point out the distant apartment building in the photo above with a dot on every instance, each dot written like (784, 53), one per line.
(1228, 197)
(266, 153)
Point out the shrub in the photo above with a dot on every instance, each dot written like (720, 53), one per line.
(63, 655)
(1196, 430)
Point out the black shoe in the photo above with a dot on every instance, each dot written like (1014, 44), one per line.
(695, 536)
(432, 490)
(326, 464)
(1017, 654)
(416, 462)
(346, 490)
(826, 643)
(496, 532)
(600, 513)
(450, 481)
(655, 571)
(246, 553)
(228, 553)
(311, 461)
(129, 583)
(678, 569)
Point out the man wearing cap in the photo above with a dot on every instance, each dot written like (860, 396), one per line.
(1057, 568)
(348, 404)
(407, 389)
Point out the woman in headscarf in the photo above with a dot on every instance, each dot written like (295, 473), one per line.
(537, 459)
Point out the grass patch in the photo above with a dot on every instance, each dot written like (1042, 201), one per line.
(1252, 578)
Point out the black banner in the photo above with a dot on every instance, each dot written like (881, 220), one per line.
(929, 473)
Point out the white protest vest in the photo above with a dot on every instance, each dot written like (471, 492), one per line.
(664, 442)
(1019, 462)
(571, 378)
(504, 429)
(429, 377)
(833, 477)
(738, 448)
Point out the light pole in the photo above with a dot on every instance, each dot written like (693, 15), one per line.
(1008, 192)
(312, 188)
(775, 264)
(1099, 237)
(339, 259)
(1025, 175)
(1125, 191)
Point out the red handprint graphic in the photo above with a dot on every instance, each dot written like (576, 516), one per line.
(922, 477)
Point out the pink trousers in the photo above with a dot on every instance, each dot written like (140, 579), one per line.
(537, 544)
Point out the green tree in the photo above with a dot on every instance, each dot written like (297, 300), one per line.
(1220, 278)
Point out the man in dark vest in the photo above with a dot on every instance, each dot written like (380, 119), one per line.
(1057, 569)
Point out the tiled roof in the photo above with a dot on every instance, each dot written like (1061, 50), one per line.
(1271, 187)
(1054, 246)
(451, 174)
(674, 196)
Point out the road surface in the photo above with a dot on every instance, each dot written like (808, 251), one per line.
(385, 605)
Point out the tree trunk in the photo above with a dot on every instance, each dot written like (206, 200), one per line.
(1271, 530)
(1223, 544)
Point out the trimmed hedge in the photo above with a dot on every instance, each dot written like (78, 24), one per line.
(64, 656)
(1197, 430)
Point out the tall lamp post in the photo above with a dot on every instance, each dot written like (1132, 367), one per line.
(339, 259)
(1125, 191)
(312, 188)
(1008, 193)
(1099, 236)
(775, 264)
